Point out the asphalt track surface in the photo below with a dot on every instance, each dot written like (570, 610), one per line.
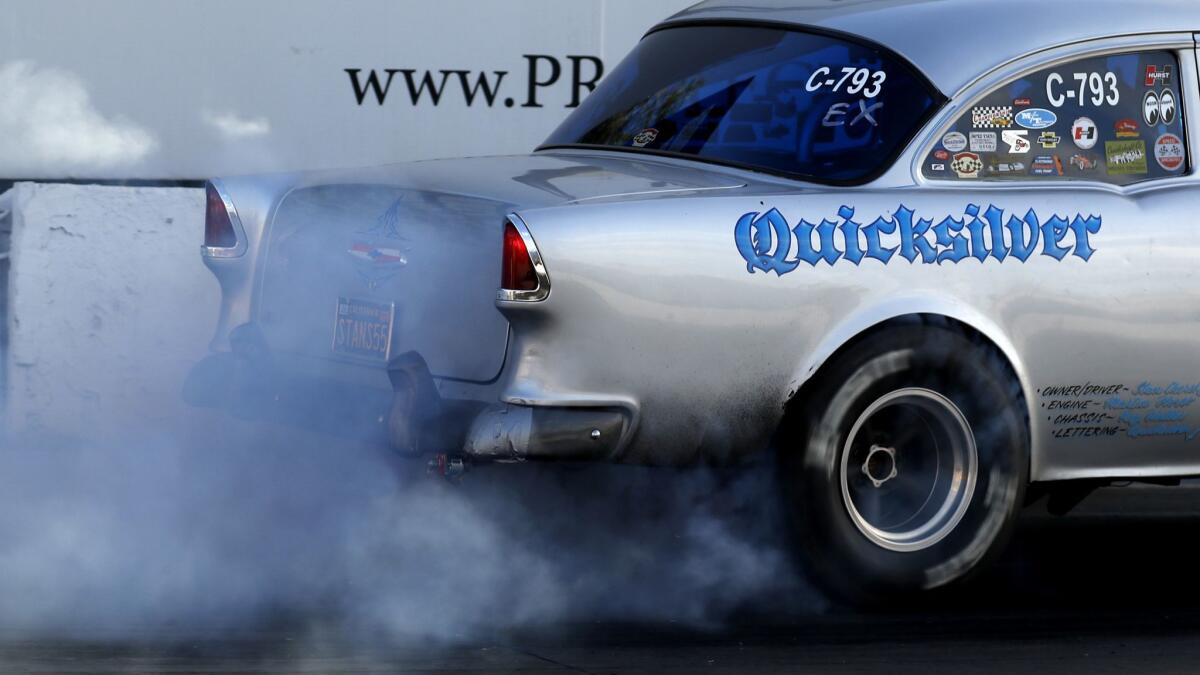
(1114, 587)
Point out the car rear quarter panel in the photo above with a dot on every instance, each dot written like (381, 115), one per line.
(653, 305)
(254, 199)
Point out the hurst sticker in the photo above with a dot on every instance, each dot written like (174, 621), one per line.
(1158, 75)
(1083, 132)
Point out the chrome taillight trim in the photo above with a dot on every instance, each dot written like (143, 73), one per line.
(239, 248)
(539, 268)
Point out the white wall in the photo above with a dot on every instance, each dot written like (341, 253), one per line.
(152, 89)
(109, 305)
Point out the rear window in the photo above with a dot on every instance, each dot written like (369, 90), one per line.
(812, 106)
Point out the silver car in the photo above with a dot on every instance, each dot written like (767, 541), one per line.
(939, 256)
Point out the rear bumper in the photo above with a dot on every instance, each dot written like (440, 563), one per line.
(407, 412)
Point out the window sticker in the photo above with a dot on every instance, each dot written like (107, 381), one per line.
(1125, 157)
(1114, 119)
(1083, 132)
(1169, 153)
(1017, 141)
(954, 142)
(856, 80)
(983, 141)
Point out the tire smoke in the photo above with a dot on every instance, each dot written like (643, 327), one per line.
(205, 528)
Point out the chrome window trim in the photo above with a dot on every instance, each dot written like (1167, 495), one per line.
(1184, 46)
(539, 268)
(239, 248)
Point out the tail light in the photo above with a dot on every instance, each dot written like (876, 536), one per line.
(522, 275)
(222, 227)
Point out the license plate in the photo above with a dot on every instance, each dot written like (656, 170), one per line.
(363, 328)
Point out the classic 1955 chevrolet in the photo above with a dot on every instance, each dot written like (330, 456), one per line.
(932, 253)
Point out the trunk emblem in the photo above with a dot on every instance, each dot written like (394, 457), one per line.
(377, 253)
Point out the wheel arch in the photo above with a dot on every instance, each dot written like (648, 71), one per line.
(854, 330)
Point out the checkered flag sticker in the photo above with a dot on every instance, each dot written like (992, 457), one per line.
(992, 116)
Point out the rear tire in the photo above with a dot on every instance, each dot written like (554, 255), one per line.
(905, 463)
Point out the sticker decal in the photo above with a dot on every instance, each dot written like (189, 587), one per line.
(837, 113)
(967, 165)
(1007, 167)
(992, 117)
(1083, 132)
(1150, 108)
(1168, 152)
(375, 254)
(1084, 163)
(1126, 128)
(768, 243)
(954, 142)
(1036, 118)
(857, 80)
(1125, 157)
(1022, 102)
(1018, 141)
(1166, 106)
(1049, 140)
(378, 253)
(983, 141)
(1047, 165)
(1156, 75)
(645, 137)
(1093, 88)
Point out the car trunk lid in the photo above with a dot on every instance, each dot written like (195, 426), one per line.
(365, 266)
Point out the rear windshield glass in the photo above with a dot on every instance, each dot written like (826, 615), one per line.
(810, 106)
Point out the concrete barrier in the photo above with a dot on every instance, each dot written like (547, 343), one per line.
(108, 305)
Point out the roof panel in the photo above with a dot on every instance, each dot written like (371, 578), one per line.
(955, 41)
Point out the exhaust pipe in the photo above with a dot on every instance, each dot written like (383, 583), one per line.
(515, 433)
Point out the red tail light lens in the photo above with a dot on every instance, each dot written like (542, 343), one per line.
(218, 228)
(517, 273)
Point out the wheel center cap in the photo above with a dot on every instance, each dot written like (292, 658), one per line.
(880, 465)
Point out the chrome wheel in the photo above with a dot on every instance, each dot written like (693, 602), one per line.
(908, 469)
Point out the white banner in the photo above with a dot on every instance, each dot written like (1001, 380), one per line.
(147, 89)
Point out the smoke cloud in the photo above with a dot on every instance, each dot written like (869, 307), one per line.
(124, 511)
(221, 526)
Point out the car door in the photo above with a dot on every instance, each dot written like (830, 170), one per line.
(1085, 159)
